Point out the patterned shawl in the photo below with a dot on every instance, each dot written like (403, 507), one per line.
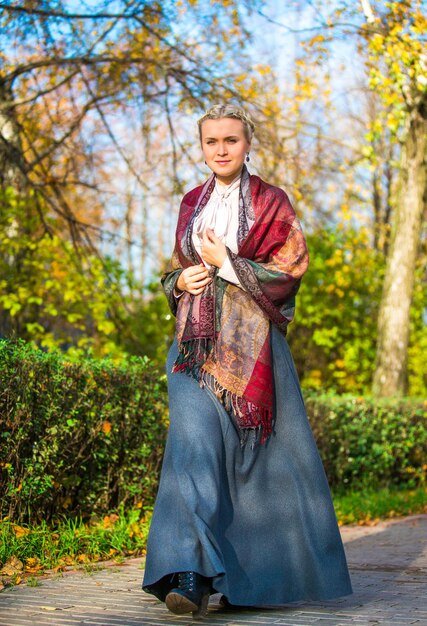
(224, 333)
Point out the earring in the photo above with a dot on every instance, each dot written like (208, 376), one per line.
(205, 163)
(247, 158)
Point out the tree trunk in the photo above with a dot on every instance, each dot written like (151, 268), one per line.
(11, 161)
(390, 376)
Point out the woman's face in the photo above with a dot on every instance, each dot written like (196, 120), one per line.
(224, 147)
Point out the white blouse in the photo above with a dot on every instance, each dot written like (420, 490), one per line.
(221, 214)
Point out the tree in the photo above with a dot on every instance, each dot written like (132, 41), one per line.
(398, 65)
(392, 39)
(88, 133)
(70, 80)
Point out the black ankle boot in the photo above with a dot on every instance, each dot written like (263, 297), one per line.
(191, 595)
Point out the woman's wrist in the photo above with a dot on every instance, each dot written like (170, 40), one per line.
(219, 259)
(224, 258)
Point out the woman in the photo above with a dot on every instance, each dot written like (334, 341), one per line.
(243, 506)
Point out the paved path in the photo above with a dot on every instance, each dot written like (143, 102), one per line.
(388, 566)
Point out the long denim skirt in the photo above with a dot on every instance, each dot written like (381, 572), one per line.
(259, 522)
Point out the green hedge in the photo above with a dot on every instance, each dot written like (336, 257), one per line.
(370, 443)
(80, 438)
(77, 437)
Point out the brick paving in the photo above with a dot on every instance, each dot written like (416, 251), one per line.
(388, 567)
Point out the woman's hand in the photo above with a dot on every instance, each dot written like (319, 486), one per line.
(193, 279)
(213, 250)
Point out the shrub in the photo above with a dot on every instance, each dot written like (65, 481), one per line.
(77, 437)
(87, 437)
(370, 443)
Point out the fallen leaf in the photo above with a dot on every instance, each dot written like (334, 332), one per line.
(33, 570)
(20, 531)
(12, 566)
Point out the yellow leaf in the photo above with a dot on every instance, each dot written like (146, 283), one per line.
(12, 566)
(20, 531)
(106, 427)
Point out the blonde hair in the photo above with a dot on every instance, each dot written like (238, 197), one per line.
(229, 110)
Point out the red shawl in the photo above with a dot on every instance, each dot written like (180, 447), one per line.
(224, 333)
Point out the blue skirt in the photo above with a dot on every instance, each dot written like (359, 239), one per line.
(260, 522)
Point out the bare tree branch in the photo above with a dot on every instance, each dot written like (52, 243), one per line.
(14, 8)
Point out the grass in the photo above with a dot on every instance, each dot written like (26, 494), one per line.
(26, 552)
(70, 542)
(368, 507)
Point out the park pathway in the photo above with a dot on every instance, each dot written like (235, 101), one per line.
(388, 567)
